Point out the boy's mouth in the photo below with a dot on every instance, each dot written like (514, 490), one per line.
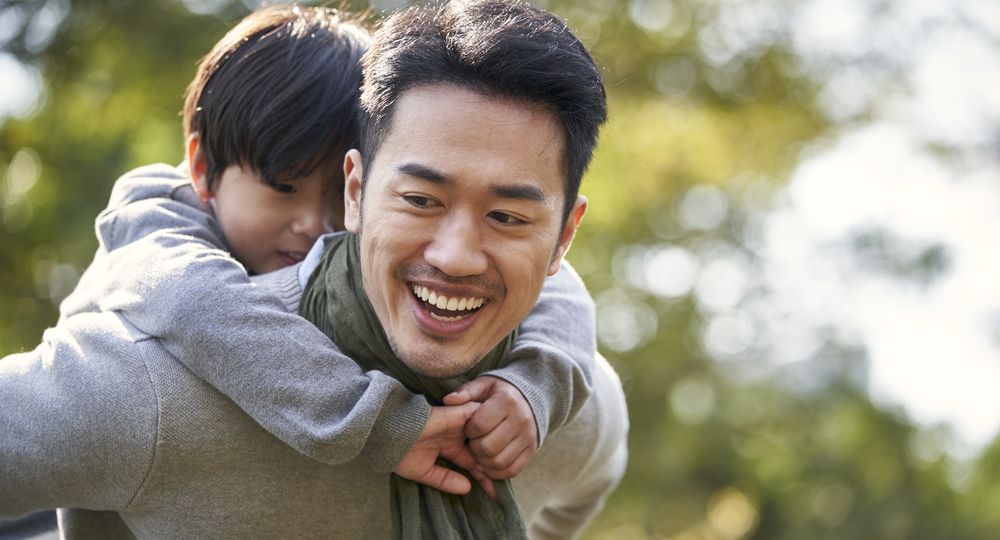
(444, 308)
(292, 257)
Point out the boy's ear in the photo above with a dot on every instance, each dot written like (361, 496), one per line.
(197, 167)
(353, 178)
(568, 233)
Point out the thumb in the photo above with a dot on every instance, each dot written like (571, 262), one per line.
(451, 418)
(475, 390)
(446, 480)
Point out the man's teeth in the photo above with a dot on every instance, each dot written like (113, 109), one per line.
(446, 319)
(447, 303)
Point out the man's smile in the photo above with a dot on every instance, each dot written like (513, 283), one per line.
(441, 305)
(442, 313)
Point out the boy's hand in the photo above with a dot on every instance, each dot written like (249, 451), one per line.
(502, 432)
(444, 436)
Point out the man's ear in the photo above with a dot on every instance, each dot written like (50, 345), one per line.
(568, 232)
(353, 178)
(197, 167)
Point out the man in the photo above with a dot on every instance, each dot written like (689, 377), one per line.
(481, 120)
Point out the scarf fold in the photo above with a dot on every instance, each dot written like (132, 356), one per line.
(335, 301)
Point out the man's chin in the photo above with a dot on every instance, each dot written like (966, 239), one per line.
(435, 368)
(434, 365)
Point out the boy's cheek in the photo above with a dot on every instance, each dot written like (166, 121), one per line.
(336, 215)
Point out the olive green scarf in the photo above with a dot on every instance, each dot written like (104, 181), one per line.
(335, 301)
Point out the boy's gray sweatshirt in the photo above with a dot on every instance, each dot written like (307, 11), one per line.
(163, 264)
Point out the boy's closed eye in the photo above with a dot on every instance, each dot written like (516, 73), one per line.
(283, 187)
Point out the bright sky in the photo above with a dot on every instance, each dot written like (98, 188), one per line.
(22, 87)
(932, 347)
(934, 350)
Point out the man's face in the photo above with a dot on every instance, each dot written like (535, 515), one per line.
(461, 222)
(269, 226)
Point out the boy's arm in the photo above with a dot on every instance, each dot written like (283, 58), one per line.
(545, 384)
(275, 365)
(552, 361)
(161, 265)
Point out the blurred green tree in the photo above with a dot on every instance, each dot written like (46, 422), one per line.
(696, 100)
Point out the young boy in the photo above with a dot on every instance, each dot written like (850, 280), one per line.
(268, 118)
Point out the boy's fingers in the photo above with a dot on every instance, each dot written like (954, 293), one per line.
(484, 481)
(493, 444)
(514, 468)
(496, 432)
(496, 453)
(490, 415)
(462, 457)
(475, 390)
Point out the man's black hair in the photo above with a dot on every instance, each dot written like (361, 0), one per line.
(497, 48)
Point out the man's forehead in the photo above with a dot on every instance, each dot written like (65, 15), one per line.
(440, 131)
(426, 103)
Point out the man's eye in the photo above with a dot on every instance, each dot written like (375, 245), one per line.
(418, 201)
(506, 219)
(283, 188)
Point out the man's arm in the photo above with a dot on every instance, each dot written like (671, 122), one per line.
(78, 420)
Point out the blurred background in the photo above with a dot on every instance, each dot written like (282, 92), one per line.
(790, 241)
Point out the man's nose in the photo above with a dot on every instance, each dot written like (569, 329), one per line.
(457, 248)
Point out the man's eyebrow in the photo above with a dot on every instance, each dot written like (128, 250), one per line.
(423, 172)
(529, 192)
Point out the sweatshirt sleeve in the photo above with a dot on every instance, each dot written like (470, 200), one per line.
(74, 431)
(164, 271)
(552, 361)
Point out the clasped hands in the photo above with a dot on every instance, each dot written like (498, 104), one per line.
(485, 427)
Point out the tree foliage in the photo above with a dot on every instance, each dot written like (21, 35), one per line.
(695, 100)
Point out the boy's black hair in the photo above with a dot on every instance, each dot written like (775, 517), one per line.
(503, 48)
(278, 94)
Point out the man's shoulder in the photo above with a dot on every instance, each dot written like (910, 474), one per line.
(93, 364)
(602, 423)
(579, 465)
(121, 362)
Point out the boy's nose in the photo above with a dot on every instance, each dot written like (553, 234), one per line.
(312, 222)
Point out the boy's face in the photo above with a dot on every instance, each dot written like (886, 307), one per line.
(269, 227)
(463, 202)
